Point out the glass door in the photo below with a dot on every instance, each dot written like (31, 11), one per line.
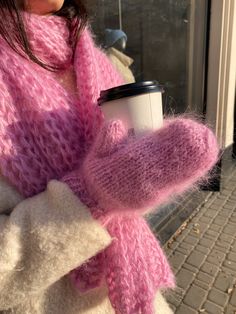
(167, 40)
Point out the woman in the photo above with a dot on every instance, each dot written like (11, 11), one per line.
(73, 190)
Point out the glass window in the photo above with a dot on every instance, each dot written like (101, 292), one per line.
(166, 39)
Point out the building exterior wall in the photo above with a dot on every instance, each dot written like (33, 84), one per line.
(222, 70)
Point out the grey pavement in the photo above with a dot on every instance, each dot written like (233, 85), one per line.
(203, 256)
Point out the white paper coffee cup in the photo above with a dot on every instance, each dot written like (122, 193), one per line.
(137, 105)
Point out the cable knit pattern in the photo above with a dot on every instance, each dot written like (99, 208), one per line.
(58, 39)
(133, 266)
(44, 130)
(47, 133)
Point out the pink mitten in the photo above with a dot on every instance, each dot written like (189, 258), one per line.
(121, 172)
(126, 173)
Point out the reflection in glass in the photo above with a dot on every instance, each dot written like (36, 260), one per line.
(167, 40)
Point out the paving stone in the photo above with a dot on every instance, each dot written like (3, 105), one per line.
(190, 268)
(227, 206)
(230, 204)
(207, 242)
(184, 309)
(228, 201)
(218, 297)
(233, 298)
(227, 271)
(229, 188)
(220, 202)
(174, 299)
(195, 297)
(191, 240)
(224, 213)
(215, 227)
(216, 257)
(201, 284)
(226, 195)
(202, 249)
(209, 268)
(185, 278)
(231, 257)
(211, 234)
(230, 309)
(222, 246)
(230, 229)
(224, 282)
(205, 278)
(183, 251)
(204, 219)
(229, 264)
(186, 246)
(221, 221)
(212, 308)
(180, 292)
(215, 208)
(221, 197)
(229, 209)
(226, 238)
(177, 259)
(211, 213)
(196, 259)
(206, 257)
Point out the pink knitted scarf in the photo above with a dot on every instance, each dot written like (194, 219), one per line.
(45, 132)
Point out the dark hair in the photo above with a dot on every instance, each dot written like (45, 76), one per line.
(13, 31)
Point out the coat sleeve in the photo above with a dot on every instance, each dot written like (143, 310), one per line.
(43, 239)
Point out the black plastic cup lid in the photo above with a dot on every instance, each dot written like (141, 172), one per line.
(129, 90)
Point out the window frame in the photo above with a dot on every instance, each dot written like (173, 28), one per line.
(222, 70)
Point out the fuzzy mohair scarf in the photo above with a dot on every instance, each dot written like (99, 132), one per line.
(47, 133)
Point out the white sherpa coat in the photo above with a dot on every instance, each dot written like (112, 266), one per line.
(41, 240)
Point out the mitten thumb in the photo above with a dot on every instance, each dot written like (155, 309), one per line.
(110, 138)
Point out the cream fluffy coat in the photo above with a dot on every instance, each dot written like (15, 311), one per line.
(37, 250)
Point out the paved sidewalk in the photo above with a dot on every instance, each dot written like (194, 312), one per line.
(203, 256)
